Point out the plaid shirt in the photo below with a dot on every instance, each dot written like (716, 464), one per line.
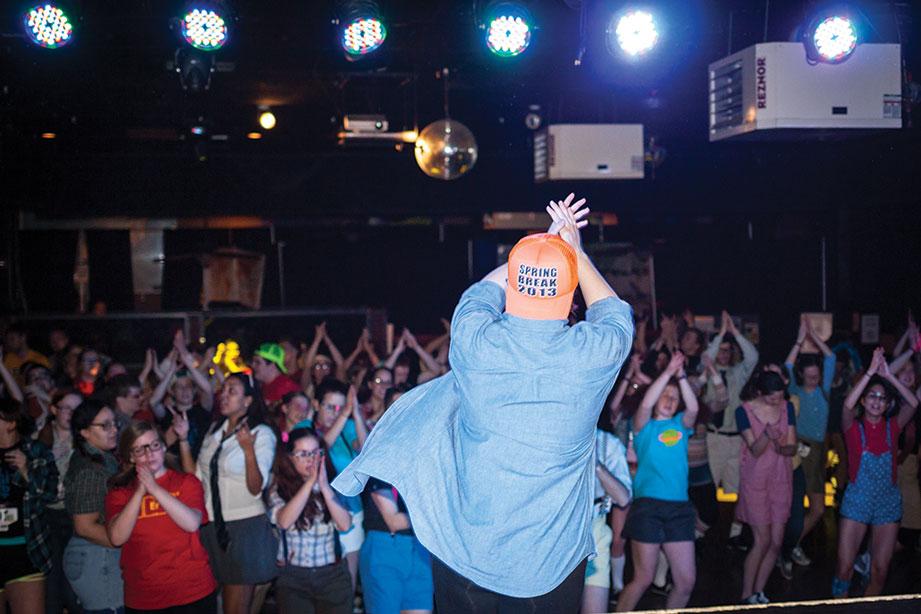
(41, 490)
(85, 485)
(312, 547)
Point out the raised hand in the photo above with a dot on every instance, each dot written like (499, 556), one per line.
(676, 364)
(351, 400)
(876, 362)
(146, 480)
(884, 367)
(246, 438)
(18, 460)
(322, 478)
(447, 325)
(565, 214)
(707, 362)
(180, 423)
(410, 339)
(320, 330)
(804, 328)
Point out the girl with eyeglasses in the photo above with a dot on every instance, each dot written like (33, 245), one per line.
(872, 498)
(28, 484)
(91, 559)
(154, 513)
(379, 382)
(309, 514)
(340, 424)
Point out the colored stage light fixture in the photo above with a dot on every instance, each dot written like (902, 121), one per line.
(48, 26)
(205, 26)
(362, 29)
(634, 33)
(834, 39)
(508, 29)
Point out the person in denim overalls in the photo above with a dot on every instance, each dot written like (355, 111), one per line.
(872, 497)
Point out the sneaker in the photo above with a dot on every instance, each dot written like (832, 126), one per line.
(751, 600)
(799, 557)
(762, 598)
(786, 567)
(663, 590)
(862, 564)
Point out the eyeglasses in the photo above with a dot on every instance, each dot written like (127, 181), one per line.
(304, 454)
(877, 395)
(156, 446)
(106, 426)
(333, 408)
(322, 366)
(378, 380)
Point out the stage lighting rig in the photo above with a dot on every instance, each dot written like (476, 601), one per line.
(632, 33)
(205, 24)
(508, 27)
(831, 36)
(361, 27)
(47, 25)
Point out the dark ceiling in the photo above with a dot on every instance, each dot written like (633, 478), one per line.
(122, 120)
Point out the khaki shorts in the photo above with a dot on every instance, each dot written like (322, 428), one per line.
(814, 467)
(723, 457)
(598, 570)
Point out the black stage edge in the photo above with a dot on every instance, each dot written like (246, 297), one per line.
(895, 604)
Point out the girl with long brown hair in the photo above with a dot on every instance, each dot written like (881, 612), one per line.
(308, 513)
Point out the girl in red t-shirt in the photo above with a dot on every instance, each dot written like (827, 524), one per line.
(872, 497)
(154, 514)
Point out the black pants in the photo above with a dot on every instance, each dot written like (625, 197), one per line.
(205, 605)
(455, 594)
(311, 590)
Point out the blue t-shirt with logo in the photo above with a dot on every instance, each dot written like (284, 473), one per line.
(662, 460)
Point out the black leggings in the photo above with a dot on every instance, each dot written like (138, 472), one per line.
(455, 594)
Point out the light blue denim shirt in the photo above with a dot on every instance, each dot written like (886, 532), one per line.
(495, 458)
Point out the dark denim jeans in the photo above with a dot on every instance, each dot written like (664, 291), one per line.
(455, 594)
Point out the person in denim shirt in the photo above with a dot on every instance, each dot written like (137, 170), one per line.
(495, 458)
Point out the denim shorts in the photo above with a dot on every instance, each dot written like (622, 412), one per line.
(95, 574)
(655, 521)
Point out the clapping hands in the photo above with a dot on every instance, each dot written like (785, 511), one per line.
(567, 218)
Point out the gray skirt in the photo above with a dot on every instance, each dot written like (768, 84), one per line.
(250, 556)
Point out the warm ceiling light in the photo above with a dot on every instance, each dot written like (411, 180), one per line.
(49, 135)
(267, 120)
(254, 136)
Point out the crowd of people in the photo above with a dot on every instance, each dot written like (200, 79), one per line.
(184, 486)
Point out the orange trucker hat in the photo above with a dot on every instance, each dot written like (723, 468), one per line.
(542, 277)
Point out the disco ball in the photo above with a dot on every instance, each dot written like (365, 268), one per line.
(446, 149)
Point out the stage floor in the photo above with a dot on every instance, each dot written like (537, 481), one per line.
(719, 578)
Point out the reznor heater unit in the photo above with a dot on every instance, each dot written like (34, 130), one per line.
(771, 89)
